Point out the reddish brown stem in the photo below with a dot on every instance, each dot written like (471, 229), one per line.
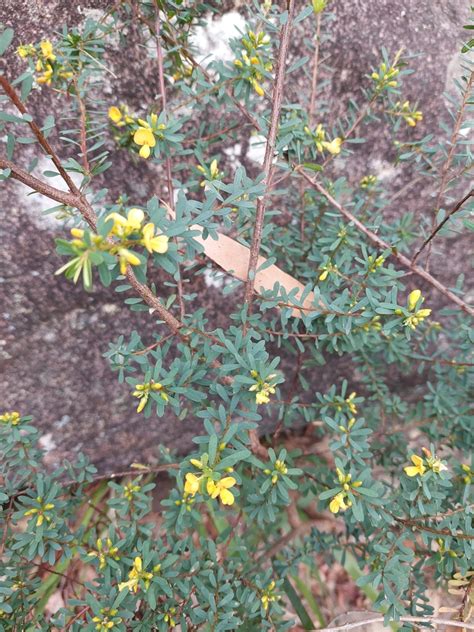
(277, 98)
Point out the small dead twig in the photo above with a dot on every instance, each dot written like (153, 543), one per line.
(455, 209)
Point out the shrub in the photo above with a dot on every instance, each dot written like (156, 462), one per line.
(319, 273)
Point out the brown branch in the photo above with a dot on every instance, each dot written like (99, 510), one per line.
(314, 80)
(383, 245)
(63, 197)
(169, 175)
(449, 158)
(15, 99)
(379, 619)
(83, 129)
(455, 208)
(277, 98)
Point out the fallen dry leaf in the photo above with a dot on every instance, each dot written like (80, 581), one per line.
(234, 258)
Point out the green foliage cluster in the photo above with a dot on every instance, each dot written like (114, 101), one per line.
(395, 477)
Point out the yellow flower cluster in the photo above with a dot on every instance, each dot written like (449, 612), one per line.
(142, 391)
(168, 617)
(374, 324)
(129, 490)
(375, 262)
(410, 115)
(414, 300)
(40, 512)
(107, 619)
(340, 501)
(319, 137)
(215, 487)
(12, 418)
(350, 403)
(422, 464)
(368, 181)
(252, 64)
(385, 77)
(135, 575)
(269, 595)
(279, 469)
(468, 474)
(210, 174)
(105, 549)
(261, 388)
(325, 271)
(144, 133)
(46, 63)
(129, 231)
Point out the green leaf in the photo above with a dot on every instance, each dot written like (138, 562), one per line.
(5, 40)
(297, 604)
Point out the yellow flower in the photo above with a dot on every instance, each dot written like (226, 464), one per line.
(12, 418)
(152, 243)
(418, 467)
(124, 226)
(192, 483)
(127, 257)
(40, 511)
(258, 88)
(135, 575)
(338, 503)
(102, 553)
(115, 115)
(413, 299)
(417, 317)
(324, 275)
(221, 489)
(78, 233)
(268, 595)
(142, 391)
(262, 389)
(129, 490)
(47, 50)
(350, 403)
(145, 138)
(334, 147)
(25, 50)
(46, 77)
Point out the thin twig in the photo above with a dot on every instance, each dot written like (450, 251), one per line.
(169, 175)
(455, 208)
(314, 80)
(277, 99)
(379, 619)
(452, 149)
(383, 245)
(83, 129)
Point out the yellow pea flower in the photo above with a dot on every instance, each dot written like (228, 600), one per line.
(127, 257)
(123, 226)
(12, 418)
(333, 147)
(115, 115)
(46, 77)
(413, 299)
(192, 483)
(417, 469)
(47, 50)
(152, 242)
(338, 503)
(221, 489)
(135, 575)
(258, 88)
(145, 138)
